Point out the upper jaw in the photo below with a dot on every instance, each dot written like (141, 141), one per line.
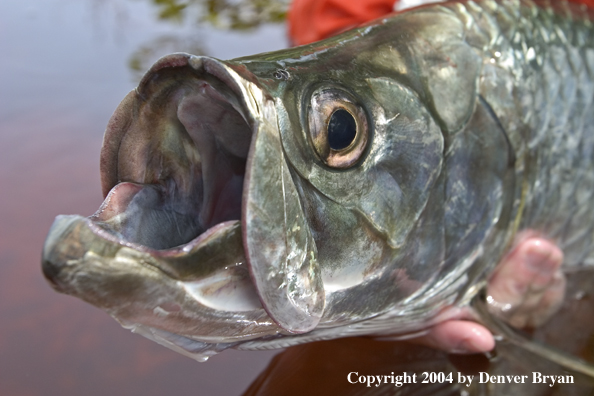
(179, 243)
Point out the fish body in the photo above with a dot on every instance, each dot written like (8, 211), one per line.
(357, 185)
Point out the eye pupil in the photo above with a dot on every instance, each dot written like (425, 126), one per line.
(342, 129)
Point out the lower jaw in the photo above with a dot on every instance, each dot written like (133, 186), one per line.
(201, 290)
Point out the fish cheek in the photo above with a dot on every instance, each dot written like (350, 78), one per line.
(348, 249)
(404, 162)
(279, 247)
(362, 275)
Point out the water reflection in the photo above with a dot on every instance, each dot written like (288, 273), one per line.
(241, 14)
(189, 20)
(325, 368)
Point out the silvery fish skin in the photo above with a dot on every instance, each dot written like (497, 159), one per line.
(233, 219)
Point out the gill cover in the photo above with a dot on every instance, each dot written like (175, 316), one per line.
(278, 242)
(279, 246)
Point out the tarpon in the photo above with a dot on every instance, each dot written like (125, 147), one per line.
(357, 185)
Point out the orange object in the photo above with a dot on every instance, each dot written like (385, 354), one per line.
(589, 3)
(313, 20)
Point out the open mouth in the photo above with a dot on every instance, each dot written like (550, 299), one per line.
(201, 232)
(178, 169)
(165, 249)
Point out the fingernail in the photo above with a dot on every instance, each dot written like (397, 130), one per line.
(466, 347)
(471, 345)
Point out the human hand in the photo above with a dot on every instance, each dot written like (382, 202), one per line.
(525, 290)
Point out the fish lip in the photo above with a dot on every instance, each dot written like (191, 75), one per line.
(171, 252)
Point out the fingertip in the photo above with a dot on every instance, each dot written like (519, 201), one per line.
(479, 339)
(541, 255)
(463, 337)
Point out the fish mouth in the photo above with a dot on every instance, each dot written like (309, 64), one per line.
(174, 156)
(173, 165)
(193, 237)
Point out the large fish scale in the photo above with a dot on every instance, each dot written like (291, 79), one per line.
(551, 62)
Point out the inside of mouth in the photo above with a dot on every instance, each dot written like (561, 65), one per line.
(180, 165)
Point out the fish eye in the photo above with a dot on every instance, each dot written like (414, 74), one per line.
(338, 127)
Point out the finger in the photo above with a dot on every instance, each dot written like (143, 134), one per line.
(529, 267)
(528, 285)
(458, 336)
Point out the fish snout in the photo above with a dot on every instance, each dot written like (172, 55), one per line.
(59, 250)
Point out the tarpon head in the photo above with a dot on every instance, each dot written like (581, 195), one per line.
(197, 191)
(276, 194)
